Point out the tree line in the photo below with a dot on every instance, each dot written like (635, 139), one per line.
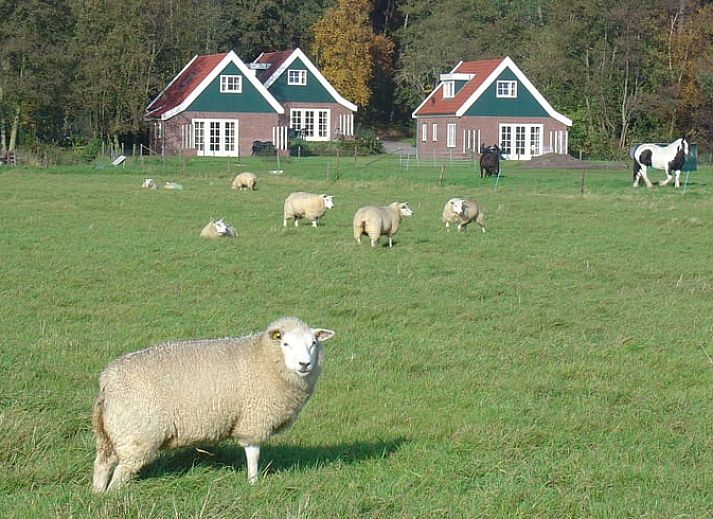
(624, 71)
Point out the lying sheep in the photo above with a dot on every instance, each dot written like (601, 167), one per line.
(245, 181)
(375, 221)
(306, 205)
(186, 392)
(149, 183)
(218, 229)
(462, 211)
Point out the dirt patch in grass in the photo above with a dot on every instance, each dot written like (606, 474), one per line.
(559, 161)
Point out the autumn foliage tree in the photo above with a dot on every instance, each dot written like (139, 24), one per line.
(343, 39)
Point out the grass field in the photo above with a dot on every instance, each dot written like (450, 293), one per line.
(559, 365)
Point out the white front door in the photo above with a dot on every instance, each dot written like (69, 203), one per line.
(216, 137)
(520, 141)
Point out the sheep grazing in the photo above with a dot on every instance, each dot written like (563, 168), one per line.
(149, 183)
(218, 229)
(306, 205)
(181, 393)
(246, 181)
(462, 211)
(377, 221)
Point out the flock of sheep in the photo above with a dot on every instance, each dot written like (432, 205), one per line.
(247, 388)
(372, 221)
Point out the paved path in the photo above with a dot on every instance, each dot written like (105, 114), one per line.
(396, 147)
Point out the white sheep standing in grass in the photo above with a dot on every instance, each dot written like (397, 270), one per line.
(245, 180)
(186, 392)
(462, 211)
(377, 221)
(308, 206)
(218, 229)
(149, 183)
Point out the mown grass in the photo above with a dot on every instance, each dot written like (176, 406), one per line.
(559, 365)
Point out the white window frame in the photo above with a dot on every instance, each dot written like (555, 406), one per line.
(296, 77)
(434, 132)
(315, 123)
(216, 137)
(231, 84)
(506, 89)
(424, 132)
(451, 135)
(525, 138)
(449, 89)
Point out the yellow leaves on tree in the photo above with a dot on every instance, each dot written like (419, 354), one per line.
(343, 40)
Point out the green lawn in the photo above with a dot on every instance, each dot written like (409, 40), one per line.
(559, 365)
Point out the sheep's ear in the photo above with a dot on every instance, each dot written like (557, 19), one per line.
(322, 334)
(276, 335)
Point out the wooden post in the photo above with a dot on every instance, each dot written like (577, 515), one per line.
(442, 175)
(581, 182)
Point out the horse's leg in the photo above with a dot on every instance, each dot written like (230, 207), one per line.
(677, 181)
(645, 177)
(668, 178)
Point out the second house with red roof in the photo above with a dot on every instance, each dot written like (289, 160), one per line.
(488, 102)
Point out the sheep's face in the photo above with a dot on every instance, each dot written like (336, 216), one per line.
(405, 210)
(148, 183)
(328, 201)
(457, 206)
(223, 228)
(300, 347)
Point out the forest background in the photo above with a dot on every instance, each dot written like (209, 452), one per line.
(79, 71)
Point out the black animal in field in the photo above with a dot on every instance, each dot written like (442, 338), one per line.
(489, 160)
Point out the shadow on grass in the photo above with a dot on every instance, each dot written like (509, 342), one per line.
(276, 458)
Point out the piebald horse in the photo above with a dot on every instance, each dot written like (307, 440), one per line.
(668, 158)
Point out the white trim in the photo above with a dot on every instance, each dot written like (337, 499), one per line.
(457, 76)
(508, 63)
(449, 89)
(301, 77)
(451, 136)
(221, 128)
(511, 89)
(230, 57)
(297, 53)
(429, 96)
(148, 108)
(225, 83)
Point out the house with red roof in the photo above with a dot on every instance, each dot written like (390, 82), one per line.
(215, 106)
(488, 102)
(314, 110)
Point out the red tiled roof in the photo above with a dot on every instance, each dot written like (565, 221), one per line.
(182, 86)
(274, 60)
(436, 105)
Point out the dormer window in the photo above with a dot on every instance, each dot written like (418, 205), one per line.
(507, 89)
(449, 89)
(230, 84)
(297, 77)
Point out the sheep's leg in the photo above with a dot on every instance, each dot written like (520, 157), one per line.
(315, 222)
(123, 472)
(284, 222)
(297, 222)
(252, 455)
(391, 241)
(103, 465)
(447, 226)
(460, 227)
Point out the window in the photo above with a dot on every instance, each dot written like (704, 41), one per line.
(449, 89)
(198, 132)
(229, 136)
(214, 136)
(521, 141)
(451, 135)
(506, 139)
(424, 132)
(535, 141)
(231, 84)
(297, 77)
(507, 89)
(314, 124)
(434, 133)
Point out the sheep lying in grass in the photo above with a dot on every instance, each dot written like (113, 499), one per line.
(218, 229)
(377, 221)
(306, 205)
(186, 392)
(461, 212)
(246, 181)
(149, 183)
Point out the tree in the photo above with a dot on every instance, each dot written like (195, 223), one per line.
(343, 40)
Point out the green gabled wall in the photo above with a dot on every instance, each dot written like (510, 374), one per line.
(312, 92)
(250, 100)
(524, 105)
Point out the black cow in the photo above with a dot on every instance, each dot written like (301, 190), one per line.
(489, 160)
